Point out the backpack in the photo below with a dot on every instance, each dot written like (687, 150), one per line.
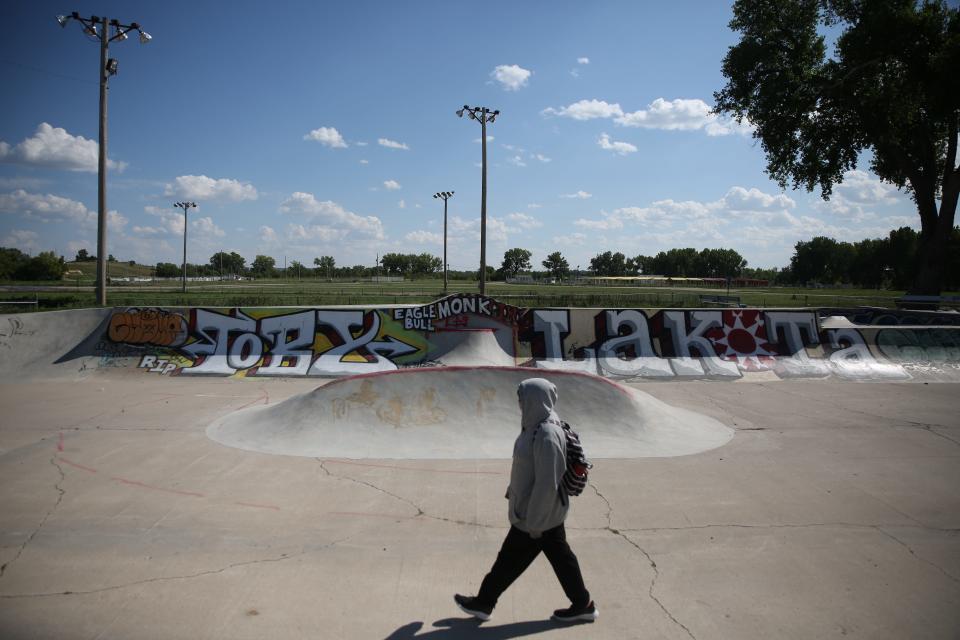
(574, 479)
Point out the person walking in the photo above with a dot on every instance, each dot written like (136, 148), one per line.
(537, 508)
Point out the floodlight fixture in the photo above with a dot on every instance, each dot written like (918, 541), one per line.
(108, 67)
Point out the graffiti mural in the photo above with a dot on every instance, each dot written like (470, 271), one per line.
(472, 330)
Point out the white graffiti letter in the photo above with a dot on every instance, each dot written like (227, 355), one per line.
(798, 363)
(215, 329)
(855, 361)
(331, 362)
(277, 330)
(708, 363)
(646, 363)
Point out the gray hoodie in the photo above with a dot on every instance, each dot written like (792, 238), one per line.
(539, 460)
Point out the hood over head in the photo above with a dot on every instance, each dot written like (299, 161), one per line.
(537, 397)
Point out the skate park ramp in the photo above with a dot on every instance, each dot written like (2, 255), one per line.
(473, 347)
(32, 345)
(459, 413)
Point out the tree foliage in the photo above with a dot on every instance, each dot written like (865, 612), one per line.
(515, 261)
(263, 266)
(16, 265)
(890, 89)
(228, 263)
(609, 264)
(557, 265)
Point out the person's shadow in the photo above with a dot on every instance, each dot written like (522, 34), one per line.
(469, 628)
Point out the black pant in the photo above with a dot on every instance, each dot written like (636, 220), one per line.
(516, 554)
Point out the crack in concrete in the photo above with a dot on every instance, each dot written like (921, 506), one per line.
(928, 427)
(914, 554)
(420, 511)
(199, 574)
(892, 422)
(61, 493)
(653, 565)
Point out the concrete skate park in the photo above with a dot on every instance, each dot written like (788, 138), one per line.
(339, 472)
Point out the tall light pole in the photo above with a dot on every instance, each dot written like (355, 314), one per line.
(483, 115)
(446, 195)
(108, 67)
(185, 206)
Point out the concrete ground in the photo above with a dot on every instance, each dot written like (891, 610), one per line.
(835, 511)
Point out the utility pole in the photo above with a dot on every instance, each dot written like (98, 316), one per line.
(446, 195)
(483, 115)
(185, 206)
(108, 67)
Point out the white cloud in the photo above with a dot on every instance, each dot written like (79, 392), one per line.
(542, 158)
(670, 115)
(866, 188)
(583, 60)
(620, 148)
(534, 205)
(524, 221)
(586, 110)
(328, 137)
(364, 162)
(54, 148)
(46, 207)
(728, 126)
(402, 204)
(361, 144)
(391, 185)
(579, 195)
(511, 77)
(206, 227)
(22, 239)
(683, 115)
(305, 204)
(674, 114)
(204, 188)
(323, 233)
(479, 140)
(606, 223)
(391, 144)
(268, 235)
(571, 240)
(517, 161)
(424, 237)
(753, 199)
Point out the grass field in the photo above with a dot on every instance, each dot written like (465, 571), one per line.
(79, 293)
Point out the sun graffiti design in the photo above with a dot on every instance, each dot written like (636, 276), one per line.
(743, 339)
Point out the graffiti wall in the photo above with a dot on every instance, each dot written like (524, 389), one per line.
(665, 344)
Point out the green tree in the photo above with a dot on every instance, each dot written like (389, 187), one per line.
(44, 266)
(609, 264)
(11, 261)
(228, 263)
(263, 266)
(425, 264)
(890, 89)
(515, 261)
(82, 256)
(557, 265)
(167, 270)
(325, 266)
(395, 264)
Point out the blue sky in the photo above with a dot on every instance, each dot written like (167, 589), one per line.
(304, 129)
